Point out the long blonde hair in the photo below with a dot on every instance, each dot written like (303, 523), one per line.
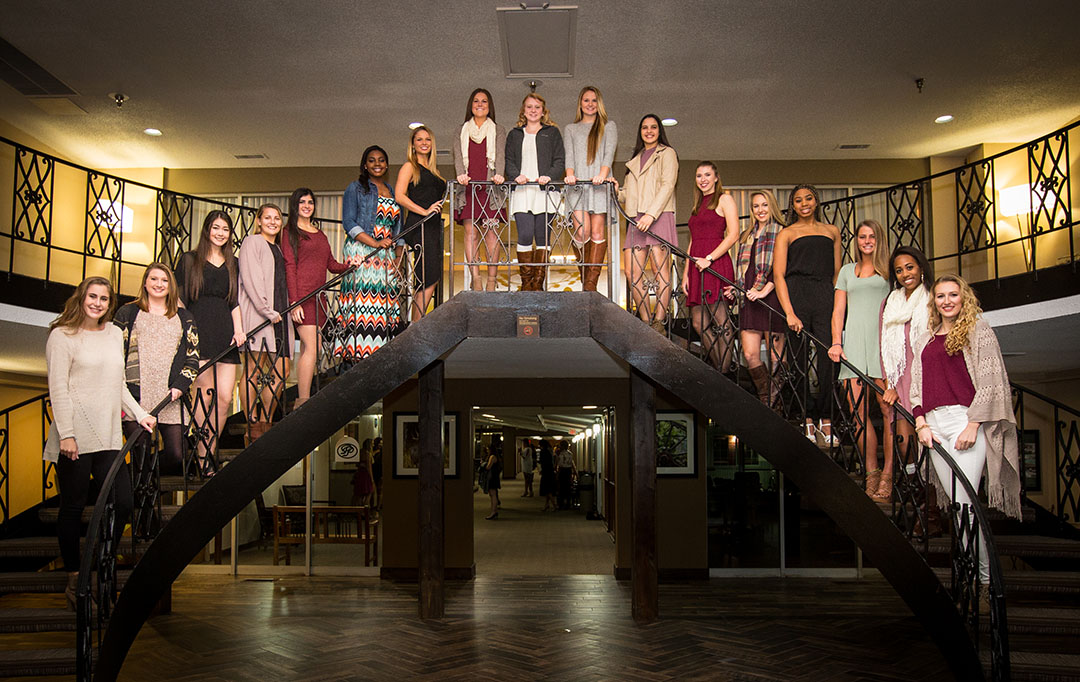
(596, 133)
(172, 298)
(775, 216)
(545, 118)
(73, 315)
(718, 191)
(960, 334)
(258, 217)
(410, 154)
(880, 259)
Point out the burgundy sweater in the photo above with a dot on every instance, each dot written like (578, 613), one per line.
(945, 378)
(305, 272)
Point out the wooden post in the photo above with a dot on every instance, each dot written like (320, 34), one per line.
(643, 572)
(430, 499)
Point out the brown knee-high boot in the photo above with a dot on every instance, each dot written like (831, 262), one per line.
(595, 252)
(525, 270)
(760, 376)
(540, 271)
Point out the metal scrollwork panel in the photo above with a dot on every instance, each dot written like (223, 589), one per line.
(104, 215)
(243, 223)
(842, 214)
(32, 210)
(1048, 167)
(975, 207)
(173, 227)
(1068, 470)
(905, 212)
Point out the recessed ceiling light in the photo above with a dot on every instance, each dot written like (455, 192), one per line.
(944, 118)
(414, 125)
(489, 416)
(668, 122)
(588, 407)
(153, 132)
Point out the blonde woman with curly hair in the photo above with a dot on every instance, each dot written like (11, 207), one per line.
(534, 153)
(960, 398)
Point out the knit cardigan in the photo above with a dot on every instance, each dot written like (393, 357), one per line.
(185, 364)
(992, 408)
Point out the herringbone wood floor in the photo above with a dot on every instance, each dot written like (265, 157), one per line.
(533, 628)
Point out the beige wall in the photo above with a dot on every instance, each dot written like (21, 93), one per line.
(24, 440)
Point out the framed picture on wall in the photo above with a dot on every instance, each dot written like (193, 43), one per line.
(407, 445)
(675, 452)
(1030, 464)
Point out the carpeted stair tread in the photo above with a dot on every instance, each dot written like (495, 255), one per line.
(1039, 546)
(1030, 666)
(43, 581)
(31, 662)
(50, 514)
(44, 547)
(1046, 582)
(36, 620)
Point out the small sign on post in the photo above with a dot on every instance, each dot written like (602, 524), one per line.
(528, 326)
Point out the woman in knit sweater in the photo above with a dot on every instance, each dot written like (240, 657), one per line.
(85, 361)
(961, 398)
(161, 351)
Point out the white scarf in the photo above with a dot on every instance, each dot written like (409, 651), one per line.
(899, 310)
(483, 133)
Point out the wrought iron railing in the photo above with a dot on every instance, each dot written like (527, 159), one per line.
(802, 368)
(1034, 407)
(24, 428)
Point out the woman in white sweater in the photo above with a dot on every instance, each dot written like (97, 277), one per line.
(85, 357)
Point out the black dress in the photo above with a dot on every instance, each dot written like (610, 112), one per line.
(426, 242)
(281, 302)
(212, 310)
(809, 276)
(547, 472)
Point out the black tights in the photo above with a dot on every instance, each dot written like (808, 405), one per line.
(73, 477)
(171, 458)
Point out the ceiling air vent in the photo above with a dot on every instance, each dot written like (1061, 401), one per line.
(849, 147)
(537, 42)
(246, 157)
(27, 76)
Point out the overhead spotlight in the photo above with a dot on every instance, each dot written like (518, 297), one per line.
(669, 122)
(153, 132)
(944, 118)
(414, 125)
(119, 98)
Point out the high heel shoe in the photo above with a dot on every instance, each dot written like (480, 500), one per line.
(492, 517)
(873, 482)
(811, 432)
(884, 491)
(828, 439)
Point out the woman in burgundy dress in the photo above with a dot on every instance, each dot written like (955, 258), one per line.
(479, 157)
(307, 258)
(756, 320)
(714, 229)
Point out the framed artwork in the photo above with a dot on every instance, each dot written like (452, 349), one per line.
(407, 445)
(675, 453)
(1030, 464)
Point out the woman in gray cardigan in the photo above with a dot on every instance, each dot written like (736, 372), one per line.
(534, 153)
(478, 157)
(264, 295)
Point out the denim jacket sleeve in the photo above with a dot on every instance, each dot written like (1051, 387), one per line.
(350, 210)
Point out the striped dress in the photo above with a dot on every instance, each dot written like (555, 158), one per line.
(368, 312)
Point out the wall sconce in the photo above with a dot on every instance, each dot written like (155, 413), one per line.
(596, 429)
(1023, 200)
(114, 216)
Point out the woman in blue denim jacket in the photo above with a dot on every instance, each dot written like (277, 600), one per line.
(368, 310)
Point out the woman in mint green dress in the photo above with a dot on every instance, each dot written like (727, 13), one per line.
(861, 287)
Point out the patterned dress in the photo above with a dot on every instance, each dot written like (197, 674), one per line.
(368, 311)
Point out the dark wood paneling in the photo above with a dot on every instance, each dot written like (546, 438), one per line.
(644, 579)
(430, 500)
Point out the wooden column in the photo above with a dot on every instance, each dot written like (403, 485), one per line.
(430, 524)
(643, 572)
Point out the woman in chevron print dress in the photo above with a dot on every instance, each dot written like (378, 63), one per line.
(368, 308)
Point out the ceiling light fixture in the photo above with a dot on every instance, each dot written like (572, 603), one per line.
(153, 132)
(669, 122)
(944, 118)
(414, 125)
(588, 407)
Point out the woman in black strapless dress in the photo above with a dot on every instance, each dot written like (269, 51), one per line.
(420, 190)
(805, 264)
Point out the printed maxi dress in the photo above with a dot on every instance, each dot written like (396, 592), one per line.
(369, 312)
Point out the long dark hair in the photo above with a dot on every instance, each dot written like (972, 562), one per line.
(73, 315)
(195, 261)
(640, 144)
(292, 229)
(364, 179)
(920, 258)
(491, 104)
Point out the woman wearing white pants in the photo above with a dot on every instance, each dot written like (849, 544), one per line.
(961, 399)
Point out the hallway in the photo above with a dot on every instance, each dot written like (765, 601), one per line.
(527, 541)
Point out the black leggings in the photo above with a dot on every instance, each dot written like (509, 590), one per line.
(73, 477)
(171, 458)
(532, 226)
(812, 301)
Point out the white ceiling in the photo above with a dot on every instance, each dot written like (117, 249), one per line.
(312, 84)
